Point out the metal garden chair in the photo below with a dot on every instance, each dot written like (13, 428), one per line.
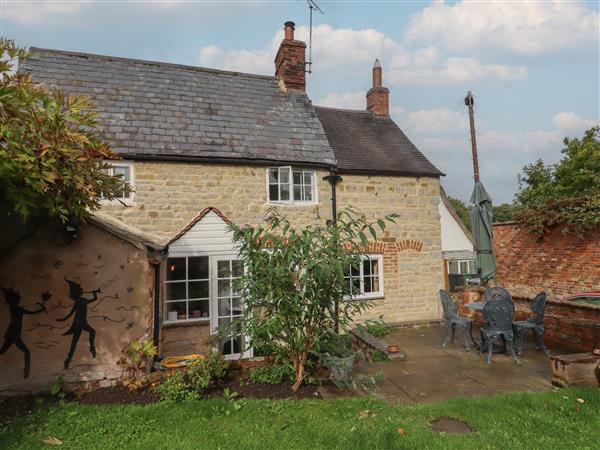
(496, 293)
(498, 315)
(534, 323)
(452, 319)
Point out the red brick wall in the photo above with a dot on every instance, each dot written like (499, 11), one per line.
(559, 264)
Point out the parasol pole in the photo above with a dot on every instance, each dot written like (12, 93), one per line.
(469, 102)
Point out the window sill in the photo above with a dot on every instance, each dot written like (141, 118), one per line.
(127, 202)
(186, 323)
(360, 298)
(270, 203)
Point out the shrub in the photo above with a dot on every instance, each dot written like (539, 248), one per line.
(376, 327)
(378, 356)
(276, 374)
(136, 362)
(189, 384)
(296, 280)
(175, 388)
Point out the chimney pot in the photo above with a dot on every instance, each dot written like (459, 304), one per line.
(289, 28)
(378, 96)
(377, 74)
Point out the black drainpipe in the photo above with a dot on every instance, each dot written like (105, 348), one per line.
(156, 262)
(333, 178)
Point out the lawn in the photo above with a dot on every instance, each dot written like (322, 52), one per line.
(549, 420)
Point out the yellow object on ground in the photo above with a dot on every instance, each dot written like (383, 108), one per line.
(171, 362)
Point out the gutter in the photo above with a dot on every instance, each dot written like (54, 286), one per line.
(232, 161)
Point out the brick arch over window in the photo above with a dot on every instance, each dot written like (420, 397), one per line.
(392, 246)
(410, 244)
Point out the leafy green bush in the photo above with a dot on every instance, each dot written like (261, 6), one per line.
(137, 362)
(378, 356)
(216, 365)
(376, 327)
(276, 374)
(296, 279)
(335, 345)
(175, 388)
(189, 384)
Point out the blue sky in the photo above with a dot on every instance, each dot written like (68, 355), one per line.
(534, 67)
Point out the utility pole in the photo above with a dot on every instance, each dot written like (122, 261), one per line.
(469, 102)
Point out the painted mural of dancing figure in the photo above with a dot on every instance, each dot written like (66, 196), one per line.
(80, 321)
(13, 332)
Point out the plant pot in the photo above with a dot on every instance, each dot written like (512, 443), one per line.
(340, 368)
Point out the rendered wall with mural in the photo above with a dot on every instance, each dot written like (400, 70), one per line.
(71, 308)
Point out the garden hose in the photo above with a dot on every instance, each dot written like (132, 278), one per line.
(171, 362)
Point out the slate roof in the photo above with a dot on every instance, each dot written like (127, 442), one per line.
(365, 143)
(158, 110)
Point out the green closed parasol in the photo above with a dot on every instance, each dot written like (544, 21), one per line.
(481, 226)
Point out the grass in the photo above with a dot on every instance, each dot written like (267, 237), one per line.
(549, 420)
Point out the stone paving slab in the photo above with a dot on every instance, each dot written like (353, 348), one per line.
(432, 373)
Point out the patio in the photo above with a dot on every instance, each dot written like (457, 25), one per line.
(431, 373)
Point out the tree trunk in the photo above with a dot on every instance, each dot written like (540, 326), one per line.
(299, 366)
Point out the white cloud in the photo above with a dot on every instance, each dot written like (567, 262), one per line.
(254, 61)
(433, 121)
(83, 13)
(457, 70)
(29, 13)
(347, 100)
(332, 49)
(355, 50)
(532, 27)
(572, 122)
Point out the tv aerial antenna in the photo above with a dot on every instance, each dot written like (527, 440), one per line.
(312, 6)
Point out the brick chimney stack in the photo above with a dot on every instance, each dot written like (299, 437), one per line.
(290, 59)
(378, 97)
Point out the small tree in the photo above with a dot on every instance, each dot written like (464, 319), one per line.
(294, 287)
(51, 160)
(566, 194)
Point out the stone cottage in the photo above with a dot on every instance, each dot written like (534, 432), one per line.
(203, 147)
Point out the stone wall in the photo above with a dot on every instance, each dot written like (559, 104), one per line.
(413, 269)
(559, 264)
(118, 312)
(169, 195)
(185, 339)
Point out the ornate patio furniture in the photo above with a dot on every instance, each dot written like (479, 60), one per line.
(498, 315)
(452, 319)
(535, 323)
(495, 293)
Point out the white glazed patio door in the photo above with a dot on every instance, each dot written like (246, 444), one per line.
(226, 305)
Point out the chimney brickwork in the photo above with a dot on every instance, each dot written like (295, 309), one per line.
(378, 97)
(290, 61)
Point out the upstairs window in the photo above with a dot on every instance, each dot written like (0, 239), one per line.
(288, 185)
(125, 171)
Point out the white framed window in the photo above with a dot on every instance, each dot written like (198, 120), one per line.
(461, 266)
(125, 170)
(290, 185)
(366, 279)
(187, 289)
